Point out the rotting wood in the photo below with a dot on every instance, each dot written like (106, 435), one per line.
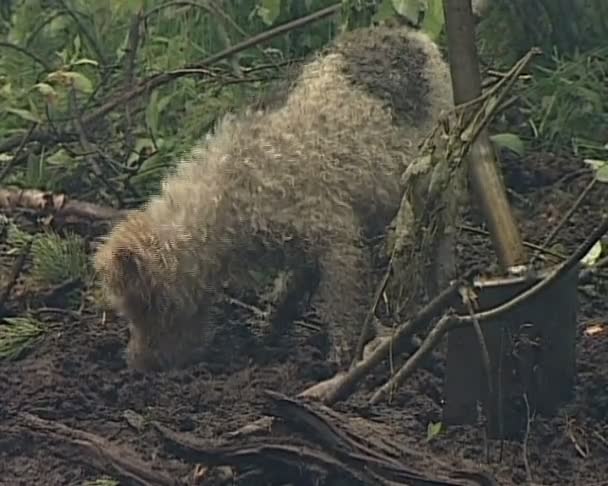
(322, 444)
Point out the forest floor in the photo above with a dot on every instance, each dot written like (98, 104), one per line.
(77, 375)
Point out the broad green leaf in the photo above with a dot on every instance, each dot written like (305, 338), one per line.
(24, 114)
(600, 167)
(432, 430)
(595, 163)
(6, 90)
(593, 255)
(433, 19)
(410, 9)
(45, 89)
(71, 78)
(81, 82)
(509, 141)
(76, 45)
(60, 158)
(90, 62)
(602, 174)
(269, 11)
(385, 11)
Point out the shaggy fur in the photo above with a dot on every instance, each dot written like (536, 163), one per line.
(306, 180)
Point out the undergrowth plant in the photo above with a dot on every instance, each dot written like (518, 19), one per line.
(60, 65)
(55, 259)
(18, 334)
(565, 102)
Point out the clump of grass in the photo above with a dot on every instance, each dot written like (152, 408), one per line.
(57, 259)
(17, 334)
(16, 237)
(567, 103)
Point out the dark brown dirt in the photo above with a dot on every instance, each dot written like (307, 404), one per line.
(77, 374)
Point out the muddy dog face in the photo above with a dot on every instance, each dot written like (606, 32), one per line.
(142, 282)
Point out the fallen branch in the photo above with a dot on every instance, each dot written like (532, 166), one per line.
(101, 453)
(46, 202)
(342, 386)
(319, 443)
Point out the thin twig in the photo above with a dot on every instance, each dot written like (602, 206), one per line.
(532, 246)
(525, 441)
(452, 321)
(566, 217)
(485, 358)
(11, 163)
(155, 81)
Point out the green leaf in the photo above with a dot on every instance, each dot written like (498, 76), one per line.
(385, 11)
(71, 78)
(602, 174)
(600, 167)
(269, 11)
(61, 158)
(410, 9)
(90, 62)
(509, 141)
(18, 334)
(24, 114)
(433, 19)
(80, 82)
(592, 255)
(432, 430)
(45, 89)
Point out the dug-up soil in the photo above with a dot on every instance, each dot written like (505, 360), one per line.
(77, 377)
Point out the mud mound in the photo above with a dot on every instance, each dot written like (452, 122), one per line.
(77, 375)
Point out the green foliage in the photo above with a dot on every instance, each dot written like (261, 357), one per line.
(17, 334)
(511, 27)
(16, 237)
(57, 259)
(59, 65)
(566, 102)
(593, 255)
(72, 56)
(509, 141)
(600, 167)
(433, 429)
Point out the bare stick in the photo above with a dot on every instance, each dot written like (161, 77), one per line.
(431, 341)
(566, 217)
(348, 382)
(59, 204)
